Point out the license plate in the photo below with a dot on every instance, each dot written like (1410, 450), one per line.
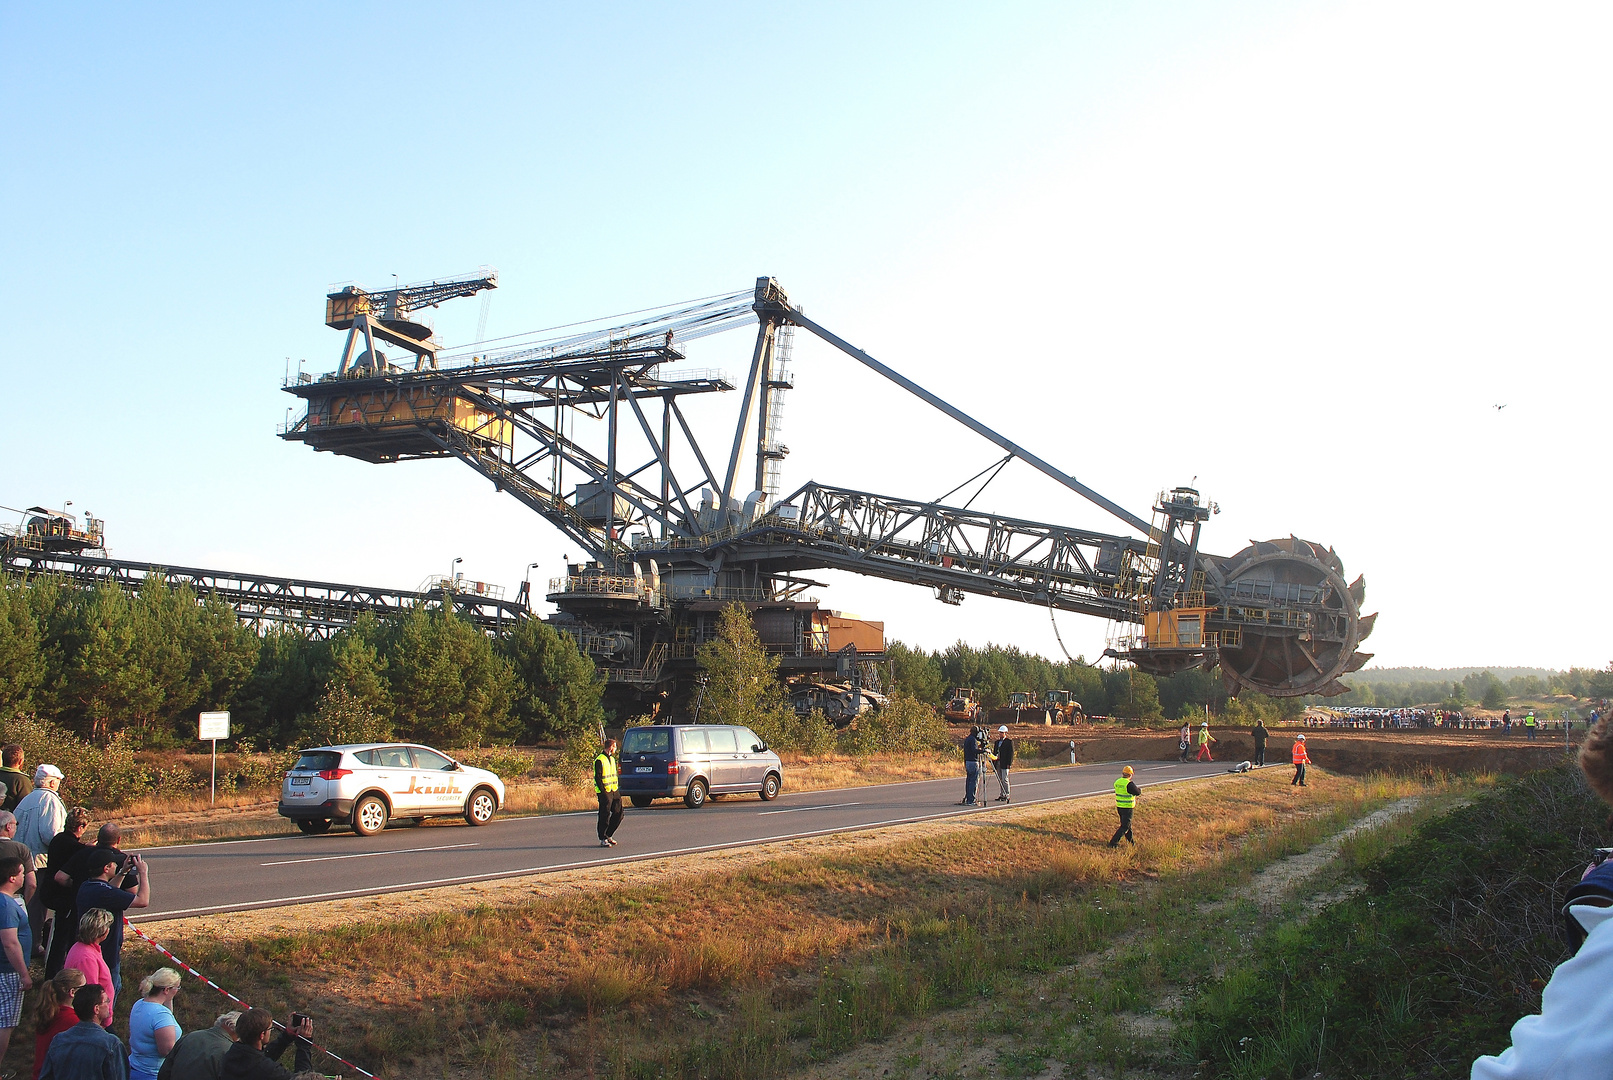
(301, 781)
(645, 768)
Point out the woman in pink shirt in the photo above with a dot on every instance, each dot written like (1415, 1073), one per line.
(93, 927)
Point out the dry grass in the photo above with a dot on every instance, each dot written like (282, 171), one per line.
(445, 991)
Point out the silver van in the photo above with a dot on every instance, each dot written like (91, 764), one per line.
(694, 761)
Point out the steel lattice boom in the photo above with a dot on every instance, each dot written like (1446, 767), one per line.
(700, 523)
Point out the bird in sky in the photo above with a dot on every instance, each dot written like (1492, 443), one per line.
(1498, 408)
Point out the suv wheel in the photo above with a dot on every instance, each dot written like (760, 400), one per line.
(480, 806)
(314, 826)
(695, 797)
(641, 801)
(770, 787)
(369, 816)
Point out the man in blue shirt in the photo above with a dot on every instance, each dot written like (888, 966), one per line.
(87, 1051)
(99, 892)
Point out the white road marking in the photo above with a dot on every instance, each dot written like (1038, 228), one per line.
(798, 809)
(1038, 783)
(368, 854)
(552, 867)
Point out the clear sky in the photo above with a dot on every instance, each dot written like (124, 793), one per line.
(1299, 251)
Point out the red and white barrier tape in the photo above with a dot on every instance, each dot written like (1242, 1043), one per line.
(192, 971)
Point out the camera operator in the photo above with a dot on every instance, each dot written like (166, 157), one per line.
(1572, 1036)
(256, 1057)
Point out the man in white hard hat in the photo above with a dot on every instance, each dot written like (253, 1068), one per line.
(1301, 759)
(1002, 751)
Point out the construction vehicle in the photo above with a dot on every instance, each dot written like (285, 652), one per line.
(1023, 707)
(840, 703)
(1062, 708)
(963, 704)
(585, 428)
(675, 530)
(46, 531)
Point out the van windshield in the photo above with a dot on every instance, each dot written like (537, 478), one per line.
(646, 741)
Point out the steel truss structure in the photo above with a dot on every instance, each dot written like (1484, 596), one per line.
(319, 607)
(653, 505)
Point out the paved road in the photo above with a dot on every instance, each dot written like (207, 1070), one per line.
(198, 879)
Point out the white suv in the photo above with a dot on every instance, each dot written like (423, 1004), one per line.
(366, 784)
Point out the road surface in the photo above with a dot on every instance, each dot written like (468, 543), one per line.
(235, 875)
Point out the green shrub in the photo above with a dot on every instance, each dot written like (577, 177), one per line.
(257, 772)
(98, 777)
(904, 726)
(343, 717)
(505, 761)
(575, 765)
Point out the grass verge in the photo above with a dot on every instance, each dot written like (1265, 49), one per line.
(1428, 967)
(758, 971)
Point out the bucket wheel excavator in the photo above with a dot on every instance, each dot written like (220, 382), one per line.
(586, 429)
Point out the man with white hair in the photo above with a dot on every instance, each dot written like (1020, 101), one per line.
(40, 816)
(199, 1055)
(12, 848)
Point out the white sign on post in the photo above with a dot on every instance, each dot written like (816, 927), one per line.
(211, 727)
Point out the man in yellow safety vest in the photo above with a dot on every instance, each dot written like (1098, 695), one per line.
(1126, 792)
(610, 799)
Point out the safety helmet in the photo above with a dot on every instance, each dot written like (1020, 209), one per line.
(1126, 771)
(1300, 738)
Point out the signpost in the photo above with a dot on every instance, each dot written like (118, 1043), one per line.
(211, 727)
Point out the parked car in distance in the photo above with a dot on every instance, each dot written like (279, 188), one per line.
(365, 785)
(694, 761)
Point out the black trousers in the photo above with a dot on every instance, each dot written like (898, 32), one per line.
(1260, 753)
(610, 812)
(1299, 774)
(1125, 827)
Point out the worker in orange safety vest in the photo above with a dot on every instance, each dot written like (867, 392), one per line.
(1301, 759)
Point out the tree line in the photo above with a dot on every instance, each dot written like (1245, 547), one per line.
(104, 662)
(995, 671)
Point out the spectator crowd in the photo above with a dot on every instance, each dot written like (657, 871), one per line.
(62, 905)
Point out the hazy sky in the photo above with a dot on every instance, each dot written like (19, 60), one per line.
(1296, 250)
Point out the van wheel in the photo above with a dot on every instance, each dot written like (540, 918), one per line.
(369, 816)
(480, 806)
(769, 790)
(314, 826)
(641, 801)
(695, 797)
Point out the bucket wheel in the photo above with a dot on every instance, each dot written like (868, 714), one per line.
(1297, 622)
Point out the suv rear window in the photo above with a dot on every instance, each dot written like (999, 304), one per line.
(646, 741)
(318, 760)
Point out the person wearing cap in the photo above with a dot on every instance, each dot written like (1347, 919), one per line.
(1126, 792)
(1205, 739)
(40, 816)
(1003, 753)
(1301, 759)
(971, 765)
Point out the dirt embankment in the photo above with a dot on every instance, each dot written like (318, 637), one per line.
(1353, 753)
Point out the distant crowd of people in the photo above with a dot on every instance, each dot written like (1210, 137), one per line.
(1361, 717)
(62, 904)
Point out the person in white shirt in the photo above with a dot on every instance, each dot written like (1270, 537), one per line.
(40, 816)
(1571, 1038)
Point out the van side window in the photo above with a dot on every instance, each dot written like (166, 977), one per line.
(722, 741)
(694, 742)
(749, 741)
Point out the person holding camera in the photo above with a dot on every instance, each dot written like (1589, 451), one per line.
(99, 892)
(973, 746)
(255, 1057)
